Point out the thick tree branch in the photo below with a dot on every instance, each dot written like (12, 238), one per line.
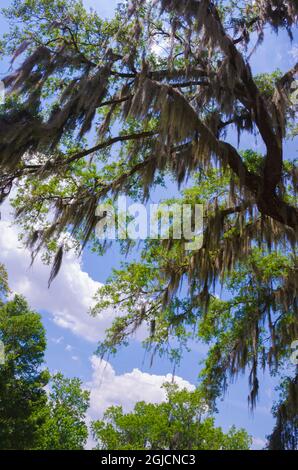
(105, 144)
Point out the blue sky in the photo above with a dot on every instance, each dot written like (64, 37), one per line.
(72, 334)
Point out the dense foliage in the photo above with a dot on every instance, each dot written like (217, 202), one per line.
(22, 380)
(65, 427)
(179, 423)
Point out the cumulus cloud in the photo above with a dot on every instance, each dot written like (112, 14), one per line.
(107, 388)
(71, 294)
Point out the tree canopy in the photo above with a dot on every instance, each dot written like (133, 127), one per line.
(173, 109)
(65, 426)
(22, 380)
(159, 87)
(179, 423)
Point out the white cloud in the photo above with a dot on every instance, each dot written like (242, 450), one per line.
(107, 388)
(69, 297)
(258, 443)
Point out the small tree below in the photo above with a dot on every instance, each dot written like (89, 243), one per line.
(65, 427)
(22, 380)
(182, 422)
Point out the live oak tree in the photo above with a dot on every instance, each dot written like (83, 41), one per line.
(179, 423)
(251, 330)
(156, 115)
(174, 109)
